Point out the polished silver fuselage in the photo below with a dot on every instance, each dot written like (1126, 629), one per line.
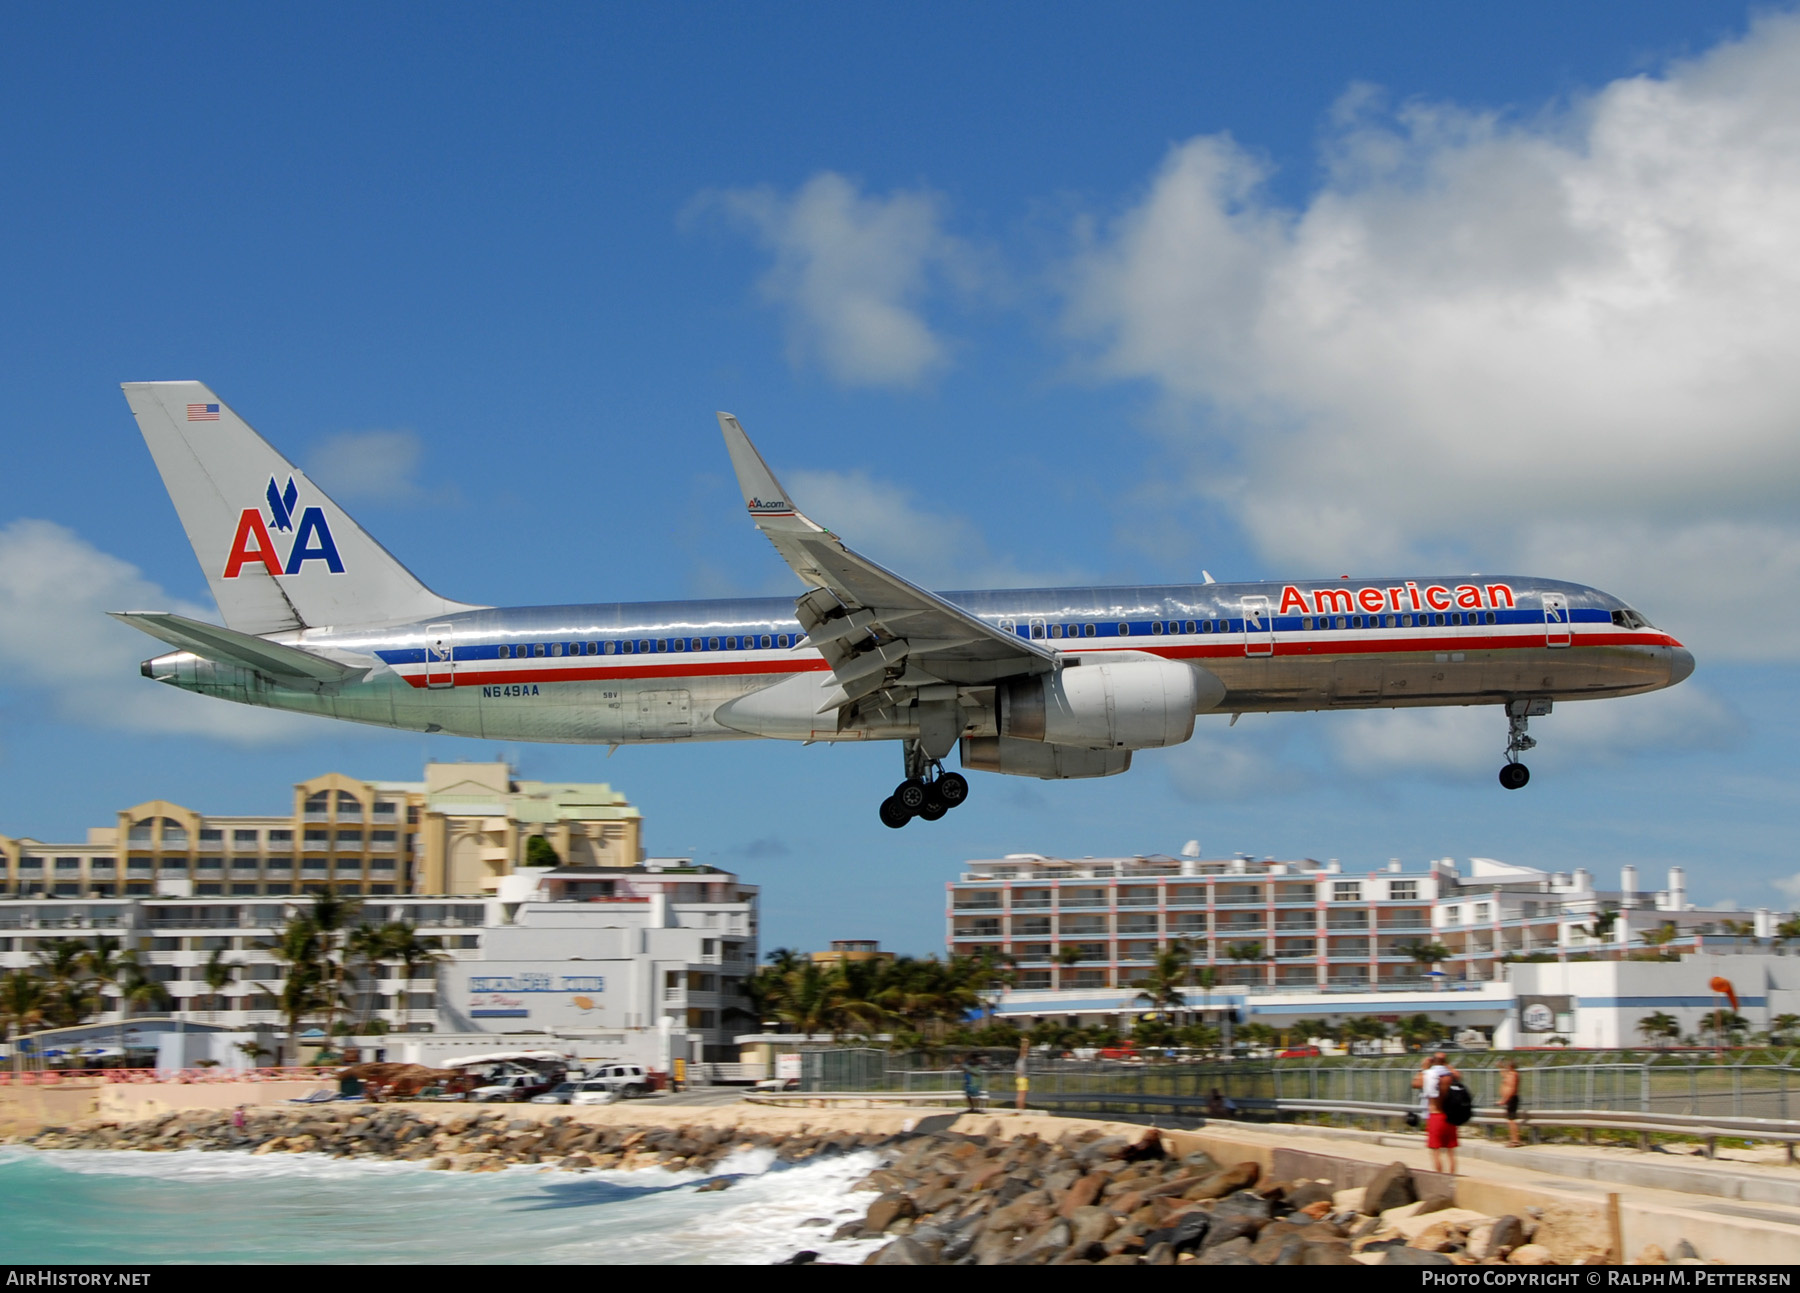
(669, 671)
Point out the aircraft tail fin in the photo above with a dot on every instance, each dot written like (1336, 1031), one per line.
(278, 554)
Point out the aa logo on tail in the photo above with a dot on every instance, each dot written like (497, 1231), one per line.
(254, 545)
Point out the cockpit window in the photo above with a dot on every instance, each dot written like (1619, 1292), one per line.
(1626, 618)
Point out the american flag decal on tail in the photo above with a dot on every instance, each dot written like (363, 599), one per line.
(203, 413)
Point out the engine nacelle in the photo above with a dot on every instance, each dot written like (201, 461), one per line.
(1036, 759)
(1128, 705)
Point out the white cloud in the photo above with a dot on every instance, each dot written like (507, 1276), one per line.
(1229, 765)
(1467, 744)
(886, 524)
(55, 638)
(381, 465)
(1564, 341)
(850, 271)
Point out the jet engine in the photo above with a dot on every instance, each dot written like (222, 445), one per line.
(1127, 705)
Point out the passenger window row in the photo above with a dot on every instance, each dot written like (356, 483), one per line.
(1124, 629)
(1453, 619)
(646, 646)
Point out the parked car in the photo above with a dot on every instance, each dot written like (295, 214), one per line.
(1299, 1053)
(512, 1089)
(1120, 1053)
(625, 1080)
(593, 1091)
(561, 1093)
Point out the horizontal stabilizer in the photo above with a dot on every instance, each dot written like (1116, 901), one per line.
(227, 646)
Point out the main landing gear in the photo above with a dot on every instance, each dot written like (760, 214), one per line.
(927, 792)
(1519, 713)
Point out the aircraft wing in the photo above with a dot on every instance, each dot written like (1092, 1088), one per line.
(228, 646)
(878, 631)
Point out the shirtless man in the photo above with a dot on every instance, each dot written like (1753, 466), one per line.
(1509, 1100)
(1440, 1132)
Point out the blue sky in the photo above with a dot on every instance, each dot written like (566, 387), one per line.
(1007, 294)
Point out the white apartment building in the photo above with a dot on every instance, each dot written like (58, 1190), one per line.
(1097, 922)
(1303, 925)
(638, 953)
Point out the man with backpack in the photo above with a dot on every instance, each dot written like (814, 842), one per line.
(1447, 1104)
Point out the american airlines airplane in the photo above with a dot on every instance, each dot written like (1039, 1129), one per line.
(1034, 682)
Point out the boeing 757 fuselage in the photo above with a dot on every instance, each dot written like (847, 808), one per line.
(1038, 682)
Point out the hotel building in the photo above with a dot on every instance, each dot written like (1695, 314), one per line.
(1302, 925)
(454, 833)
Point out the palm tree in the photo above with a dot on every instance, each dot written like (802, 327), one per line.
(806, 998)
(1161, 987)
(1659, 1026)
(413, 952)
(1662, 935)
(365, 948)
(331, 918)
(1789, 928)
(1418, 1030)
(1601, 927)
(136, 988)
(217, 974)
(1304, 1030)
(105, 964)
(306, 986)
(22, 1008)
(69, 992)
(1782, 1025)
(860, 1005)
(1067, 956)
(1427, 954)
(1724, 1023)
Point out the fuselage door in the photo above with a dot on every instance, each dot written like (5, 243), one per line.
(1558, 632)
(440, 657)
(1259, 627)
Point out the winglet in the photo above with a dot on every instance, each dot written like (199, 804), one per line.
(769, 504)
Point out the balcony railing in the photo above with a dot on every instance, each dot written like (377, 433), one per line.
(1137, 900)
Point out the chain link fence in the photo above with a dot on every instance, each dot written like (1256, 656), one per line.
(1688, 1085)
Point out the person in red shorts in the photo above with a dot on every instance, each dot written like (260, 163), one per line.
(1440, 1132)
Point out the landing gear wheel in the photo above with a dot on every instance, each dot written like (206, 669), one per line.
(910, 794)
(952, 788)
(1514, 775)
(893, 813)
(933, 807)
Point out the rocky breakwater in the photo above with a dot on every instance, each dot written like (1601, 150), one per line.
(1089, 1198)
(466, 1141)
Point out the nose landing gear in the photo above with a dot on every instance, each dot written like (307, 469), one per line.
(927, 792)
(1519, 714)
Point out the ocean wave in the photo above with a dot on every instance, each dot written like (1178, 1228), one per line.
(278, 1207)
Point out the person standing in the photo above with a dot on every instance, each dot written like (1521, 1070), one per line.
(1440, 1132)
(971, 1082)
(1509, 1101)
(1022, 1073)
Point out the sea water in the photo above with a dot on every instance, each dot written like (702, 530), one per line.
(126, 1206)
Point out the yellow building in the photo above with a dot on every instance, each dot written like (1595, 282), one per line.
(454, 833)
(851, 949)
